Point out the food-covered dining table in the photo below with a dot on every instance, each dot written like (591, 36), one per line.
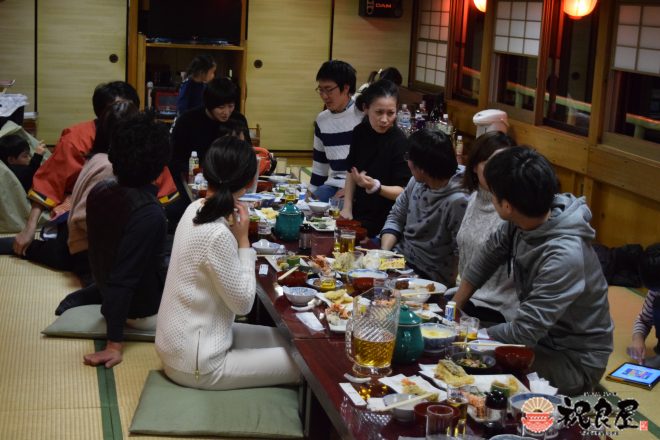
(316, 329)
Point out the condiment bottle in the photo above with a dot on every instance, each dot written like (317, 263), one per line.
(496, 406)
(305, 238)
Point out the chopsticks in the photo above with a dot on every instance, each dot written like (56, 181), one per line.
(488, 344)
(404, 402)
(288, 272)
(420, 292)
(363, 249)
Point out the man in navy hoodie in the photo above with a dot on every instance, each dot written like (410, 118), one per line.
(564, 312)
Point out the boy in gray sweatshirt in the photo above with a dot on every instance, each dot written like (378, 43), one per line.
(424, 221)
(546, 240)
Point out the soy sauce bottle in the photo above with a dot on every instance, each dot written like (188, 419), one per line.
(496, 406)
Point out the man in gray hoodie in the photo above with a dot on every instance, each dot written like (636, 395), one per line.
(564, 312)
(427, 215)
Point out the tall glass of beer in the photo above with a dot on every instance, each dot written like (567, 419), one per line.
(371, 332)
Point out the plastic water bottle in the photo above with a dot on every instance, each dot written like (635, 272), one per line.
(450, 128)
(459, 146)
(193, 166)
(419, 120)
(403, 118)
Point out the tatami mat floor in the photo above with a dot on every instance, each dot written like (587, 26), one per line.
(47, 393)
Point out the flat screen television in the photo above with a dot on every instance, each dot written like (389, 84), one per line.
(204, 21)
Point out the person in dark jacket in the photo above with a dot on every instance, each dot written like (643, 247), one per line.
(191, 93)
(126, 229)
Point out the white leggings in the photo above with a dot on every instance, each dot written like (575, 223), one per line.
(258, 357)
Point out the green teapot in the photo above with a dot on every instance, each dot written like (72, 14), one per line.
(287, 225)
(409, 343)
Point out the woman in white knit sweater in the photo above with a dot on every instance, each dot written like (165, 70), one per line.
(210, 280)
(497, 300)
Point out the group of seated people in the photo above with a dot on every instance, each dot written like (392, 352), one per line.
(520, 249)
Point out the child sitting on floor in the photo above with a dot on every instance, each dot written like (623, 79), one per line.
(15, 153)
(649, 271)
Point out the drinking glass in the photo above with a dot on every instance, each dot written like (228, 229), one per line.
(281, 166)
(456, 398)
(347, 240)
(468, 329)
(337, 236)
(334, 207)
(264, 229)
(473, 329)
(291, 194)
(328, 280)
(438, 421)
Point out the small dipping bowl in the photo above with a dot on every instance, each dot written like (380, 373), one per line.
(299, 296)
(296, 279)
(401, 413)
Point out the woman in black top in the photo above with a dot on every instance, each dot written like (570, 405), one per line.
(196, 130)
(378, 171)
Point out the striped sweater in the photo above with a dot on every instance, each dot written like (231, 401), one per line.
(644, 321)
(332, 140)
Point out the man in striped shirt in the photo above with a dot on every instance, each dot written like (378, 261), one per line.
(333, 129)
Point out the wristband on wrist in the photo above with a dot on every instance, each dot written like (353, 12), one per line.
(374, 189)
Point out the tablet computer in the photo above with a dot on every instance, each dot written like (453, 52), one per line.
(637, 375)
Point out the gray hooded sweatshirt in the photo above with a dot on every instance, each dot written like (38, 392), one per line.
(426, 222)
(560, 284)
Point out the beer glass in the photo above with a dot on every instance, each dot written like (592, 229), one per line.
(371, 332)
(347, 240)
(456, 398)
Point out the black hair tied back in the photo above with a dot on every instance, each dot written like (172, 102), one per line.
(230, 165)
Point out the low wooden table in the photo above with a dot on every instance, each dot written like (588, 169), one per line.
(322, 360)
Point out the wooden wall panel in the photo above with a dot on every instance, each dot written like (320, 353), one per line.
(292, 39)
(74, 41)
(625, 171)
(370, 44)
(562, 149)
(623, 217)
(17, 47)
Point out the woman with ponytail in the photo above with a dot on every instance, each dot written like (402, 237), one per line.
(211, 280)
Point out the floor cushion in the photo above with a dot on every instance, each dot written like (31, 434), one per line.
(166, 408)
(86, 322)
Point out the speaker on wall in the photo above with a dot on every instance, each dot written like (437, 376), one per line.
(381, 8)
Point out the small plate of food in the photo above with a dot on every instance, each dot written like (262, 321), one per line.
(338, 296)
(337, 316)
(412, 385)
(474, 362)
(316, 283)
(418, 290)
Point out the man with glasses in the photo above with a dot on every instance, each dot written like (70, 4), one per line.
(333, 129)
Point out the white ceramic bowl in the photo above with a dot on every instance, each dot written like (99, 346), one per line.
(267, 199)
(299, 296)
(264, 246)
(401, 413)
(437, 336)
(318, 207)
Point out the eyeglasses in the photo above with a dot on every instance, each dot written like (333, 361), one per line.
(326, 92)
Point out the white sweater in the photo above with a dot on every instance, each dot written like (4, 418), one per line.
(209, 281)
